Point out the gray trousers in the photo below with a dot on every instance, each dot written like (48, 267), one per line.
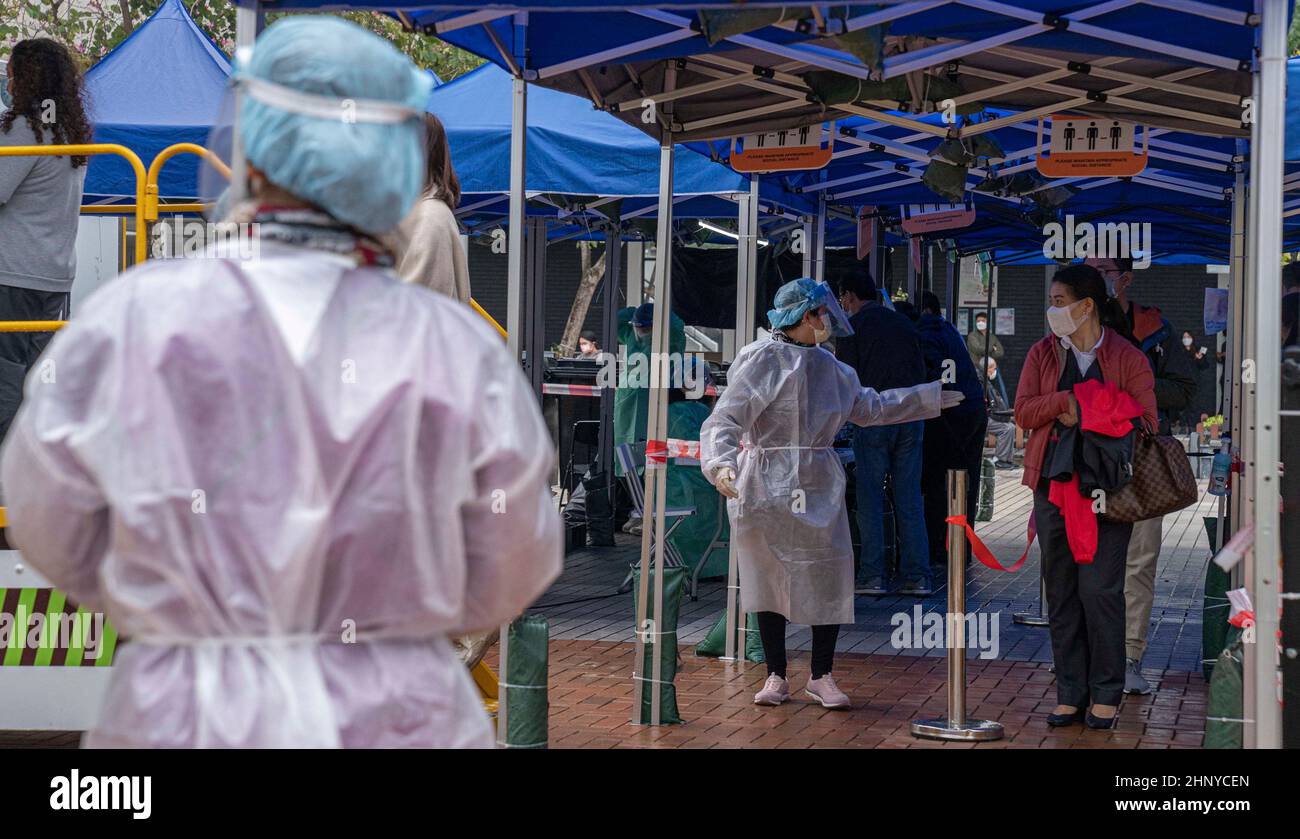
(1005, 432)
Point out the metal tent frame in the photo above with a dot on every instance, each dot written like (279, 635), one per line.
(1188, 65)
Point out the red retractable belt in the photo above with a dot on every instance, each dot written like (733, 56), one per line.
(982, 552)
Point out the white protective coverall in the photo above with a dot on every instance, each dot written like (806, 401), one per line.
(241, 462)
(791, 528)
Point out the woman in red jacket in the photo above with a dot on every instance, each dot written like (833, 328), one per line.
(1086, 601)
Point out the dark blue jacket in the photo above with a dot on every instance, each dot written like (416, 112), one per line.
(882, 349)
(941, 343)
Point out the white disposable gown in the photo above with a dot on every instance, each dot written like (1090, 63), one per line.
(775, 425)
(286, 482)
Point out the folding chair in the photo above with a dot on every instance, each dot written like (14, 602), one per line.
(627, 460)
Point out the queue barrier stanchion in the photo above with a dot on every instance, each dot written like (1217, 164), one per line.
(956, 726)
(89, 150)
(1039, 618)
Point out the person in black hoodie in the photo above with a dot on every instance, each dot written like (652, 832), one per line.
(955, 439)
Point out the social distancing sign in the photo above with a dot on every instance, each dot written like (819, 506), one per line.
(1090, 147)
(786, 150)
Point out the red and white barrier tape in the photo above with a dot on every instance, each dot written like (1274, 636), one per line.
(657, 452)
(551, 389)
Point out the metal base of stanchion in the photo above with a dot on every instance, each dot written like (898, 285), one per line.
(943, 729)
(1029, 619)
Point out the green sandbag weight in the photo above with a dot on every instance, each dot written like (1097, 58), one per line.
(524, 685)
(1225, 707)
(662, 640)
(714, 644)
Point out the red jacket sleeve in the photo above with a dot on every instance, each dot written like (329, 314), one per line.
(1036, 407)
(1140, 382)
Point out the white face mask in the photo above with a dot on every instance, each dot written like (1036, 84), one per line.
(822, 335)
(981, 325)
(1187, 342)
(1061, 321)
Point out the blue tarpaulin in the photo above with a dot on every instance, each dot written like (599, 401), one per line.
(163, 85)
(1293, 109)
(572, 148)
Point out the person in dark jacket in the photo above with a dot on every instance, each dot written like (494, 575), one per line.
(982, 343)
(955, 440)
(1175, 386)
(1290, 304)
(1001, 425)
(884, 352)
(1202, 365)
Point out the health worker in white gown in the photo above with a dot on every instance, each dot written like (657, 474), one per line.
(768, 447)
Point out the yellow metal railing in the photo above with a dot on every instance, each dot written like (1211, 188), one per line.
(31, 325)
(476, 307)
(90, 149)
(155, 170)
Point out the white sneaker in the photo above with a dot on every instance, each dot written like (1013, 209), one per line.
(825, 691)
(775, 691)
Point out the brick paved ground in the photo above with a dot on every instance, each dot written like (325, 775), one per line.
(591, 705)
(582, 604)
(591, 658)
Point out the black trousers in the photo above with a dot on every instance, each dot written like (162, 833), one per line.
(1086, 605)
(949, 443)
(19, 350)
(771, 628)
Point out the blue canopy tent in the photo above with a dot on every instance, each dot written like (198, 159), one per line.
(1186, 65)
(584, 166)
(163, 85)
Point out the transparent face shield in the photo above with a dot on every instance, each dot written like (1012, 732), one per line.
(219, 190)
(834, 315)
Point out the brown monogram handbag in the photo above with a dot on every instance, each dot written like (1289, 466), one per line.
(1162, 481)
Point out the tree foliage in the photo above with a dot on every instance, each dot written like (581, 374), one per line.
(91, 28)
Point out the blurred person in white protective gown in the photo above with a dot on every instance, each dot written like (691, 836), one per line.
(287, 479)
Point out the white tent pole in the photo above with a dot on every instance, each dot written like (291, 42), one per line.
(746, 294)
(1234, 345)
(806, 227)
(1267, 134)
(515, 262)
(249, 21)
(657, 427)
(819, 240)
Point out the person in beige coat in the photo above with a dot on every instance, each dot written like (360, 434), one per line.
(427, 242)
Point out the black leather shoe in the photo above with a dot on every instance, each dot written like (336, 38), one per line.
(1062, 720)
(1100, 722)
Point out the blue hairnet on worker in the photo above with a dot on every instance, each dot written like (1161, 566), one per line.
(798, 297)
(768, 447)
(286, 476)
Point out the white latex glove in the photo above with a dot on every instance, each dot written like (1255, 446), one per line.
(725, 480)
(950, 398)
